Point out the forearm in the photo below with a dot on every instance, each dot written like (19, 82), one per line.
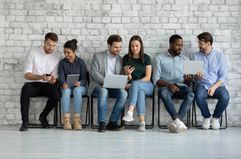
(31, 76)
(161, 83)
(146, 78)
(218, 84)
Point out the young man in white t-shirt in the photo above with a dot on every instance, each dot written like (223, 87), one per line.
(40, 71)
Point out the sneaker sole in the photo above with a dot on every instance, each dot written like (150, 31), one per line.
(127, 120)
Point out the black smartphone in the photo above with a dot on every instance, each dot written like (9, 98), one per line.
(48, 74)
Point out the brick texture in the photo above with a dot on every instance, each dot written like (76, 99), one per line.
(24, 23)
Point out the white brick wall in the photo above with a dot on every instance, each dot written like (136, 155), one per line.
(24, 23)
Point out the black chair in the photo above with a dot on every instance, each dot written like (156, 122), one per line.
(164, 126)
(87, 118)
(55, 118)
(194, 117)
(148, 126)
(93, 125)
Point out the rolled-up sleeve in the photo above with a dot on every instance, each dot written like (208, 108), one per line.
(61, 73)
(28, 65)
(223, 69)
(83, 74)
(156, 70)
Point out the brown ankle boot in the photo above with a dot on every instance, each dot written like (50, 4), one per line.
(67, 124)
(77, 123)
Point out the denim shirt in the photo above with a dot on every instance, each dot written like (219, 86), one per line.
(215, 68)
(77, 67)
(169, 69)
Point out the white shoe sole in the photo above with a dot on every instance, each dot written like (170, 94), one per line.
(124, 119)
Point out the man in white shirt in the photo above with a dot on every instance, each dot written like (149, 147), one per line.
(40, 71)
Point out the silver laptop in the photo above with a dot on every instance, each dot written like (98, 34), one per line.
(115, 81)
(192, 67)
(72, 79)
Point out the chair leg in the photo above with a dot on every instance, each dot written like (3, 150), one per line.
(87, 119)
(93, 126)
(149, 126)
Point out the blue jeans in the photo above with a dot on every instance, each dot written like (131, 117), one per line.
(77, 93)
(137, 94)
(103, 94)
(185, 93)
(221, 94)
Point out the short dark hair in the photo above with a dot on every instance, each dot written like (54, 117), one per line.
(51, 36)
(205, 37)
(114, 38)
(173, 38)
(71, 44)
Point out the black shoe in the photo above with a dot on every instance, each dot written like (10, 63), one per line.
(114, 127)
(44, 122)
(102, 127)
(24, 127)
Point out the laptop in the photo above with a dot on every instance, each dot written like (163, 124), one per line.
(115, 81)
(192, 67)
(72, 79)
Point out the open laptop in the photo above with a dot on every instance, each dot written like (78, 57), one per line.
(115, 81)
(192, 67)
(72, 79)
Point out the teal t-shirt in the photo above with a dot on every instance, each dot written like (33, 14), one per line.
(140, 68)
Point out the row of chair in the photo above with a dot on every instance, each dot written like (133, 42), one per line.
(191, 117)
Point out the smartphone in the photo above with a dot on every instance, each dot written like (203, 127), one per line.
(48, 74)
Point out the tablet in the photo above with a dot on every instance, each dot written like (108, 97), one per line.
(72, 79)
(192, 67)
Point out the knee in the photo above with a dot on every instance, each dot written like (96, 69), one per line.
(200, 95)
(26, 87)
(163, 93)
(79, 91)
(135, 84)
(190, 95)
(225, 97)
(66, 92)
(103, 92)
(123, 94)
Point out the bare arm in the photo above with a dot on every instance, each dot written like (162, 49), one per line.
(147, 73)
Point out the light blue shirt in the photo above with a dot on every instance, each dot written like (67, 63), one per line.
(169, 68)
(215, 68)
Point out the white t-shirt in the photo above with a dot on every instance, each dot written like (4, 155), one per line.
(111, 64)
(39, 63)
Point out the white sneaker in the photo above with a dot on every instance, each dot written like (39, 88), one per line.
(181, 127)
(172, 128)
(128, 117)
(142, 127)
(215, 123)
(206, 123)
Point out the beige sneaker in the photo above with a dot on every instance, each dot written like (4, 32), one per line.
(172, 128)
(67, 124)
(77, 122)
